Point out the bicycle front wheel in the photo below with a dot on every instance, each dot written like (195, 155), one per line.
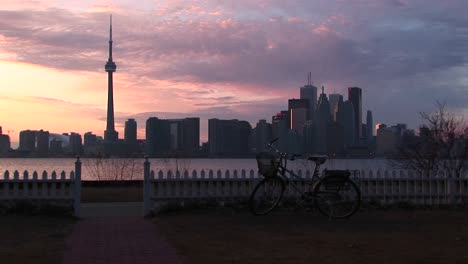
(337, 197)
(266, 195)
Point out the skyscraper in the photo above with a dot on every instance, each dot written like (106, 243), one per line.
(370, 128)
(334, 99)
(298, 109)
(309, 92)
(355, 96)
(158, 136)
(228, 137)
(323, 120)
(347, 120)
(130, 136)
(110, 135)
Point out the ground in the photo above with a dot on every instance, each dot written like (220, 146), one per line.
(393, 236)
(33, 239)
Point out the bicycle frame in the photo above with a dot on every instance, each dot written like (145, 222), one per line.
(287, 174)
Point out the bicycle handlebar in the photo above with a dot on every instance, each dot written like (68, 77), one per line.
(282, 154)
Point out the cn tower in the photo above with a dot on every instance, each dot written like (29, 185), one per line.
(110, 135)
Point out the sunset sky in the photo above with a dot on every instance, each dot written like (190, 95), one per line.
(225, 59)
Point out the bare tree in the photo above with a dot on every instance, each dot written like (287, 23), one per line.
(442, 144)
(113, 168)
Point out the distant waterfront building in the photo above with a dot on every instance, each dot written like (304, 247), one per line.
(335, 139)
(179, 137)
(323, 120)
(191, 135)
(27, 140)
(5, 144)
(355, 97)
(370, 128)
(388, 139)
(90, 139)
(157, 136)
(42, 138)
(130, 136)
(347, 115)
(280, 128)
(309, 93)
(309, 138)
(334, 100)
(298, 109)
(76, 144)
(263, 135)
(228, 137)
(56, 146)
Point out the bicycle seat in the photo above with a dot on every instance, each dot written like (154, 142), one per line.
(318, 159)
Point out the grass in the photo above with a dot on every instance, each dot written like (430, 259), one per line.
(394, 236)
(33, 239)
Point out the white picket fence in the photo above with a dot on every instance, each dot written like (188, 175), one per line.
(43, 186)
(384, 186)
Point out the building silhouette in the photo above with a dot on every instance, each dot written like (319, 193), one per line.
(309, 93)
(323, 120)
(42, 139)
(347, 115)
(27, 141)
(5, 144)
(262, 135)
(157, 136)
(279, 129)
(56, 147)
(355, 97)
(298, 114)
(130, 136)
(228, 137)
(75, 146)
(370, 128)
(191, 135)
(110, 135)
(334, 100)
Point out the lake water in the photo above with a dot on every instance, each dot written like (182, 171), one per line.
(133, 168)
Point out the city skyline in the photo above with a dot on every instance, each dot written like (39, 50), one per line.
(65, 93)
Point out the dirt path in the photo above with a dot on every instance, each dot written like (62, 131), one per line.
(117, 237)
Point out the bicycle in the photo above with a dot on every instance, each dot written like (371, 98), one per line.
(333, 193)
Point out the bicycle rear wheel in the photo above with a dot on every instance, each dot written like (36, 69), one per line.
(337, 197)
(266, 195)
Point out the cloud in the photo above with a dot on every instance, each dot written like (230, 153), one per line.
(209, 53)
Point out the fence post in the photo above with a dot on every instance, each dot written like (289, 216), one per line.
(77, 198)
(146, 188)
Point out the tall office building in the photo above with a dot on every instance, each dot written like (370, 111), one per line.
(27, 140)
(309, 93)
(42, 139)
(130, 134)
(370, 128)
(228, 137)
(157, 136)
(5, 144)
(76, 144)
(348, 123)
(172, 136)
(110, 135)
(263, 134)
(279, 129)
(334, 99)
(323, 120)
(90, 139)
(298, 109)
(191, 135)
(355, 96)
